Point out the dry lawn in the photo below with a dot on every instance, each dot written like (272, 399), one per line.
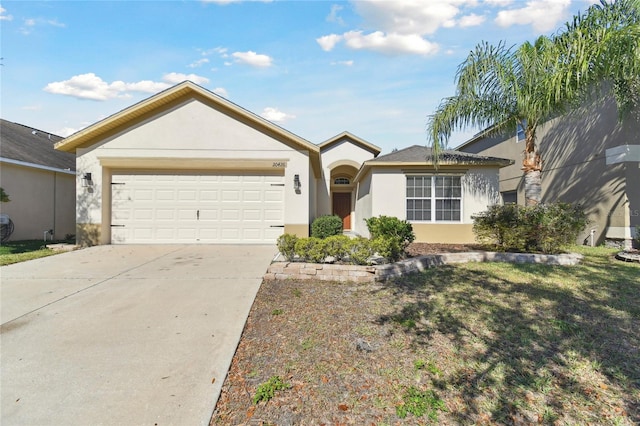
(466, 344)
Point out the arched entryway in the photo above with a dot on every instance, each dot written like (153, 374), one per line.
(342, 193)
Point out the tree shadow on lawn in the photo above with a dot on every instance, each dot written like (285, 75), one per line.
(529, 342)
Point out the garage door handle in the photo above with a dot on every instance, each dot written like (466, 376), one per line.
(277, 226)
(198, 215)
(117, 226)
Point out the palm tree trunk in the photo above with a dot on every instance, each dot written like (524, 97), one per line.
(532, 187)
(532, 166)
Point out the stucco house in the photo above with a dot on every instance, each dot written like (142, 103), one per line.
(589, 158)
(188, 166)
(40, 182)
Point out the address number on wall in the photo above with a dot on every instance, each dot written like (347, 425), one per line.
(279, 164)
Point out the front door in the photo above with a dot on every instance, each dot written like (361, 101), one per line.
(342, 208)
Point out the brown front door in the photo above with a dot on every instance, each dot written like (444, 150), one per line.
(342, 208)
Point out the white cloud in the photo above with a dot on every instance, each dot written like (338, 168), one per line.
(471, 20)
(543, 15)
(328, 42)
(390, 43)
(333, 15)
(221, 91)
(410, 16)
(90, 86)
(345, 63)
(400, 27)
(176, 77)
(275, 115)
(67, 131)
(55, 23)
(498, 2)
(198, 63)
(253, 59)
(4, 17)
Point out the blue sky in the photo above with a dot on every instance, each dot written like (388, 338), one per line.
(377, 69)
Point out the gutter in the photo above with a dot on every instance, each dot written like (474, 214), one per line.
(37, 166)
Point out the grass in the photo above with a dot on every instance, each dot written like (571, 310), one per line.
(479, 343)
(21, 251)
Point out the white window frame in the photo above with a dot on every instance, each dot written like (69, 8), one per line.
(433, 198)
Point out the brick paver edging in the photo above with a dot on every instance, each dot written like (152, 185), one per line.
(334, 272)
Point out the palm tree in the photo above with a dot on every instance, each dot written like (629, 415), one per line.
(500, 87)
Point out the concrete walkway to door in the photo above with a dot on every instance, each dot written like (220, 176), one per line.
(123, 334)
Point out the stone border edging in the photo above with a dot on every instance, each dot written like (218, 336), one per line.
(370, 274)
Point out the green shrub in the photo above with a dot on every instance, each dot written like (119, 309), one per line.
(337, 246)
(311, 249)
(326, 226)
(390, 235)
(388, 247)
(360, 250)
(287, 245)
(541, 228)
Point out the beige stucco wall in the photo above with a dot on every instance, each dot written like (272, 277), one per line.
(387, 195)
(363, 208)
(577, 169)
(342, 153)
(40, 200)
(189, 134)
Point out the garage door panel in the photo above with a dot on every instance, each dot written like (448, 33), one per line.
(165, 208)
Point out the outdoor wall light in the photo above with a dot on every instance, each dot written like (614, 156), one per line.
(296, 183)
(86, 180)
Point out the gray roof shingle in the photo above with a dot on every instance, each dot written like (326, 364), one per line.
(418, 153)
(24, 143)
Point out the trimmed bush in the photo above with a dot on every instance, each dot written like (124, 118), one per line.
(287, 245)
(542, 228)
(311, 249)
(337, 246)
(390, 236)
(388, 247)
(360, 251)
(326, 226)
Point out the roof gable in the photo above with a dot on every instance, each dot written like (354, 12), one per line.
(155, 104)
(25, 144)
(352, 139)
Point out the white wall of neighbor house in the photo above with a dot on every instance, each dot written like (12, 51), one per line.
(182, 138)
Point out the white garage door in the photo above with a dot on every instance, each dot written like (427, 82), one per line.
(196, 208)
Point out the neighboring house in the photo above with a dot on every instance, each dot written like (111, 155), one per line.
(588, 158)
(40, 182)
(188, 166)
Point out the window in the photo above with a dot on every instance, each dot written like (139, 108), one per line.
(520, 131)
(341, 181)
(434, 198)
(510, 197)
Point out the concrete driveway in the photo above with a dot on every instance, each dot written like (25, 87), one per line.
(123, 334)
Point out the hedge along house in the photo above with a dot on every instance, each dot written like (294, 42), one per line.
(438, 201)
(188, 166)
